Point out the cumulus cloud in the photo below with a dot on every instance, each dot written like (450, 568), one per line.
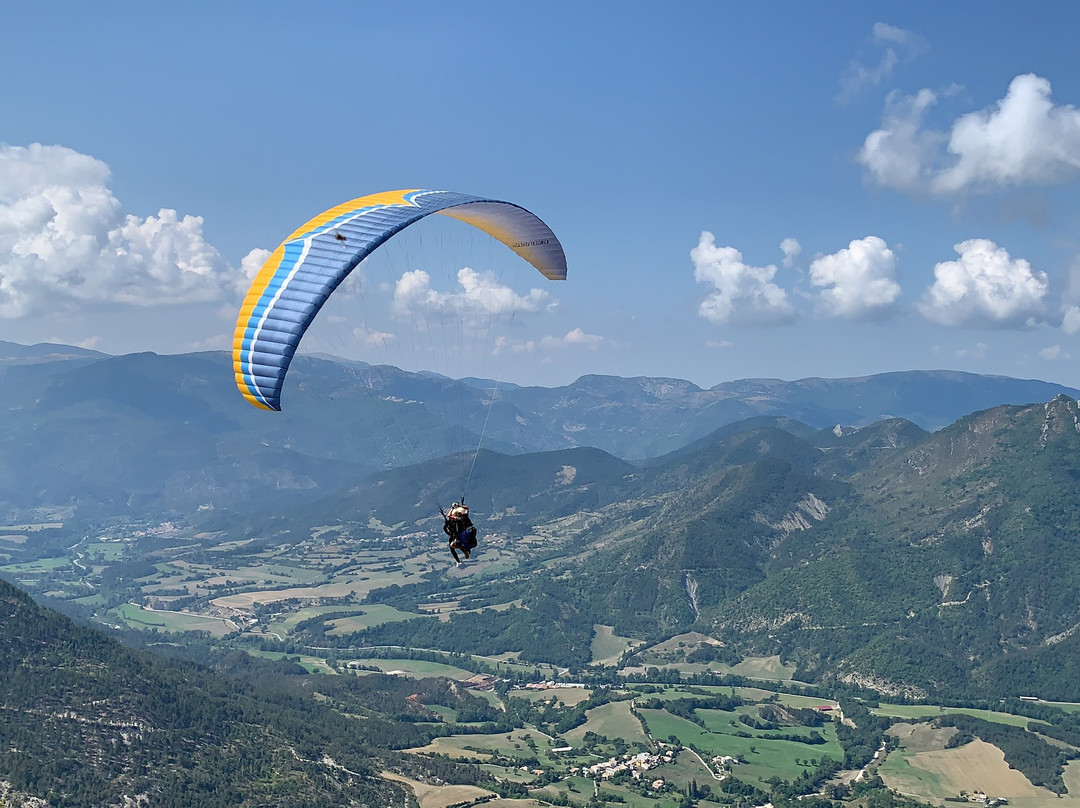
(65, 240)
(251, 263)
(743, 294)
(890, 44)
(791, 249)
(369, 336)
(1053, 353)
(985, 287)
(575, 338)
(859, 281)
(480, 294)
(1022, 139)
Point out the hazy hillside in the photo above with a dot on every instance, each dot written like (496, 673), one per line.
(148, 436)
(12, 353)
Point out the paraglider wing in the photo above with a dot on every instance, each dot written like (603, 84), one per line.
(309, 265)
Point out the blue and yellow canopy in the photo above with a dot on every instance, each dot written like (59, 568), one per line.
(300, 275)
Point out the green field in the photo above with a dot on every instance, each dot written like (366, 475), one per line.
(1067, 706)
(32, 528)
(138, 617)
(563, 695)
(311, 664)
(368, 616)
(40, 565)
(582, 791)
(103, 551)
(931, 711)
(764, 758)
(284, 623)
(514, 744)
(613, 720)
(607, 646)
(789, 699)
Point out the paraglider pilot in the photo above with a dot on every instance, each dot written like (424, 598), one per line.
(460, 529)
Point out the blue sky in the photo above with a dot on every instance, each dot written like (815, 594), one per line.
(779, 189)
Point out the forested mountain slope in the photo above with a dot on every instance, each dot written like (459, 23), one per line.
(87, 722)
(944, 559)
(915, 562)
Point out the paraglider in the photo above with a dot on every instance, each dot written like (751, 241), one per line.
(459, 527)
(301, 274)
(310, 264)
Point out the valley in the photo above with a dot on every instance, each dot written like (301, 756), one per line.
(645, 723)
(662, 631)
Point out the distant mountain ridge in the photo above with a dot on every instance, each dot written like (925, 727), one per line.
(143, 434)
(14, 353)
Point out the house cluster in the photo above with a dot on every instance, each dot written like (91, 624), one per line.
(983, 799)
(635, 764)
(722, 766)
(481, 681)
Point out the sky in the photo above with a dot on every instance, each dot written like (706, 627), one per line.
(742, 190)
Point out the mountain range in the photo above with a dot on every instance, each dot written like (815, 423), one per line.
(883, 551)
(143, 435)
(917, 563)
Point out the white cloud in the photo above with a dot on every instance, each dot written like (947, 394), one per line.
(791, 250)
(480, 294)
(251, 263)
(369, 336)
(987, 287)
(1053, 353)
(902, 153)
(1022, 139)
(575, 338)
(1070, 322)
(891, 44)
(744, 294)
(65, 240)
(859, 281)
(978, 352)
